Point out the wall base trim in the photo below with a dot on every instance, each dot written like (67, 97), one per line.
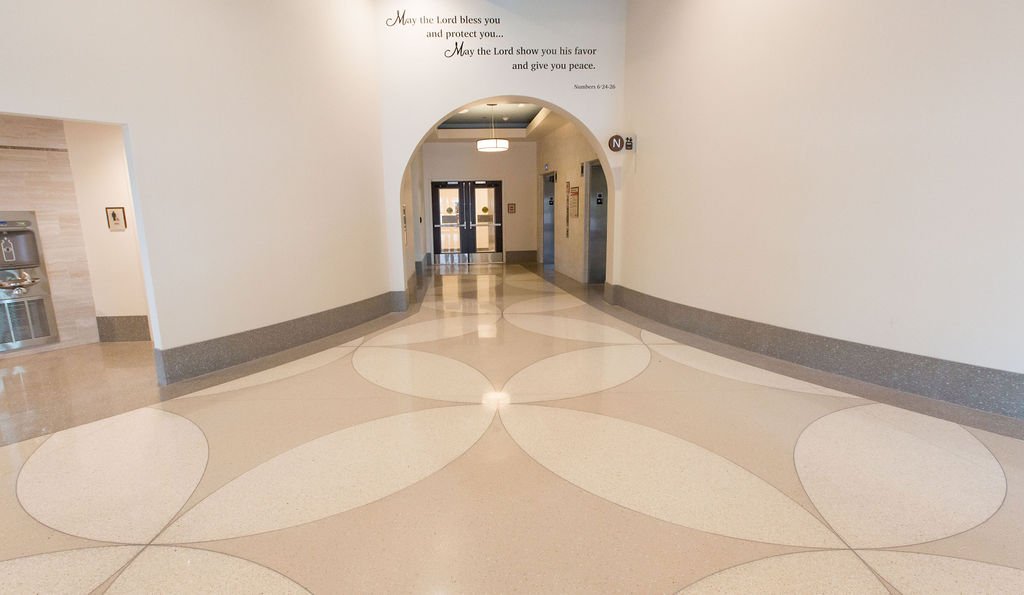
(520, 256)
(985, 389)
(123, 328)
(189, 361)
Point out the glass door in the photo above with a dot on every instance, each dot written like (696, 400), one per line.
(487, 216)
(467, 221)
(448, 220)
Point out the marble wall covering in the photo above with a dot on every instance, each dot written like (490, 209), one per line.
(35, 175)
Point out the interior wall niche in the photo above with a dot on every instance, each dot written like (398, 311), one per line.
(35, 175)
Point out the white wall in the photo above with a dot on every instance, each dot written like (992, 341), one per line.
(514, 168)
(408, 235)
(254, 143)
(849, 168)
(563, 151)
(420, 209)
(420, 87)
(100, 171)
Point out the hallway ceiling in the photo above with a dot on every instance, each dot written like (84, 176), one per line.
(506, 115)
(526, 122)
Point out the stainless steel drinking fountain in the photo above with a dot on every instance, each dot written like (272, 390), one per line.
(26, 310)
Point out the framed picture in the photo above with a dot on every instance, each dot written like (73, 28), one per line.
(115, 219)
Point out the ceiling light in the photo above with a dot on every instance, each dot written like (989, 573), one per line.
(493, 144)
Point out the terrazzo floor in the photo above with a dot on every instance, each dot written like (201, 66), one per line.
(509, 437)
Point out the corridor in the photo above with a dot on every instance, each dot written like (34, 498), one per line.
(509, 437)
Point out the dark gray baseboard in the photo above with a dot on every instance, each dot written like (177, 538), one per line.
(189, 361)
(413, 285)
(520, 256)
(123, 328)
(985, 389)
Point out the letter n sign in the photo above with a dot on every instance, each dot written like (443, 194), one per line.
(616, 143)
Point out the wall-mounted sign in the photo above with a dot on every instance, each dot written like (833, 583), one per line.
(629, 143)
(405, 227)
(616, 143)
(568, 193)
(511, 208)
(574, 202)
(115, 219)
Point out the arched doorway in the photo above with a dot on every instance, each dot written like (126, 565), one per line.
(453, 195)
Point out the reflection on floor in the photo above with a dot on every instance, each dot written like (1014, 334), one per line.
(46, 392)
(510, 437)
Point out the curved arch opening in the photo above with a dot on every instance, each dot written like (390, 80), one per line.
(564, 227)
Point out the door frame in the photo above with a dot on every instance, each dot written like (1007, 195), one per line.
(467, 221)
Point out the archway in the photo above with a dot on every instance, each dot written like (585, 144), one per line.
(551, 125)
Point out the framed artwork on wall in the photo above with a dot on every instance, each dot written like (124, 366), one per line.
(115, 219)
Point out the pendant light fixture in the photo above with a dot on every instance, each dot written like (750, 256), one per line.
(493, 144)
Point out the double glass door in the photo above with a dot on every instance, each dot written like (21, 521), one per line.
(467, 220)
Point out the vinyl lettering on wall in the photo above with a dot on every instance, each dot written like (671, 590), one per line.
(474, 37)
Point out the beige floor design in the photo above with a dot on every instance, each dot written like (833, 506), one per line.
(510, 438)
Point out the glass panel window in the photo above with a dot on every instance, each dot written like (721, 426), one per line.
(486, 240)
(451, 242)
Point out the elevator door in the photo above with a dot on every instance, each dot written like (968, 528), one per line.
(549, 219)
(597, 224)
(467, 222)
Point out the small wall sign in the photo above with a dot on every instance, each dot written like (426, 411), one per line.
(405, 227)
(568, 193)
(511, 208)
(616, 143)
(115, 219)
